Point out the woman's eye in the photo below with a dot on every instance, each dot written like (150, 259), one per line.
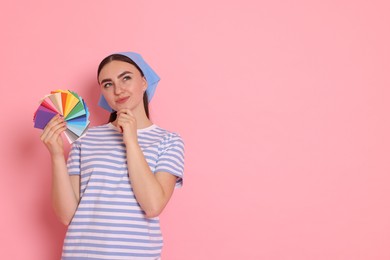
(107, 85)
(126, 78)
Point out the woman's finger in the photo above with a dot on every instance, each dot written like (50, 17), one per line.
(55, 120)
(125, 111)
(53, 130)
(48, 127)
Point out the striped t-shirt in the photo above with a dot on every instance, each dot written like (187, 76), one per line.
(109, 223)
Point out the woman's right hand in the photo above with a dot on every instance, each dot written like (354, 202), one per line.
(51, 135)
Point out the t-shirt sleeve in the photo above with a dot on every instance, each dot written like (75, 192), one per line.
(73, 162)
(171, 157)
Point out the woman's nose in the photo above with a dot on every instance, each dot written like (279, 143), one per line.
(118, 88)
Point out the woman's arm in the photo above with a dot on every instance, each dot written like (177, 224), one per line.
(65, 189)
(152, 191)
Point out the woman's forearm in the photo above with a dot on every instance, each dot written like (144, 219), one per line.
(149, 192)
(64, 196)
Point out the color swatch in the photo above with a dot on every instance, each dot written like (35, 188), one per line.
(70, 106)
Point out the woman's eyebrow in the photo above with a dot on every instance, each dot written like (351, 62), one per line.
(105, 80)
(119, 76)
(124, 73)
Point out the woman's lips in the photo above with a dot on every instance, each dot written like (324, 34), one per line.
(122, 100)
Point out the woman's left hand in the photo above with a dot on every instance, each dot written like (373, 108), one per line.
(128, 124)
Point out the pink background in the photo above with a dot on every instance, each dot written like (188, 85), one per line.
(283, 105)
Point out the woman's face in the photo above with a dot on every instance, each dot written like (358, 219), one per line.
(122, 85)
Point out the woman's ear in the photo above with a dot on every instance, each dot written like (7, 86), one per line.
(145, 84)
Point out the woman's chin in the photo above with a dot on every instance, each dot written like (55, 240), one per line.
(122, 106)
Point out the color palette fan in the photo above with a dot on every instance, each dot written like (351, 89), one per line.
(70, 106)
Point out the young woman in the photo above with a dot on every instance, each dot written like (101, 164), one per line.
(119, 176)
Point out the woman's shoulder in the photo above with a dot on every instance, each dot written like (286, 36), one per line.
(157, 131)
(161, 137)
(105, 128)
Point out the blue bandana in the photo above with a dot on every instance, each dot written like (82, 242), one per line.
(151, 77)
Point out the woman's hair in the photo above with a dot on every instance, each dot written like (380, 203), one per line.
(120, 57)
